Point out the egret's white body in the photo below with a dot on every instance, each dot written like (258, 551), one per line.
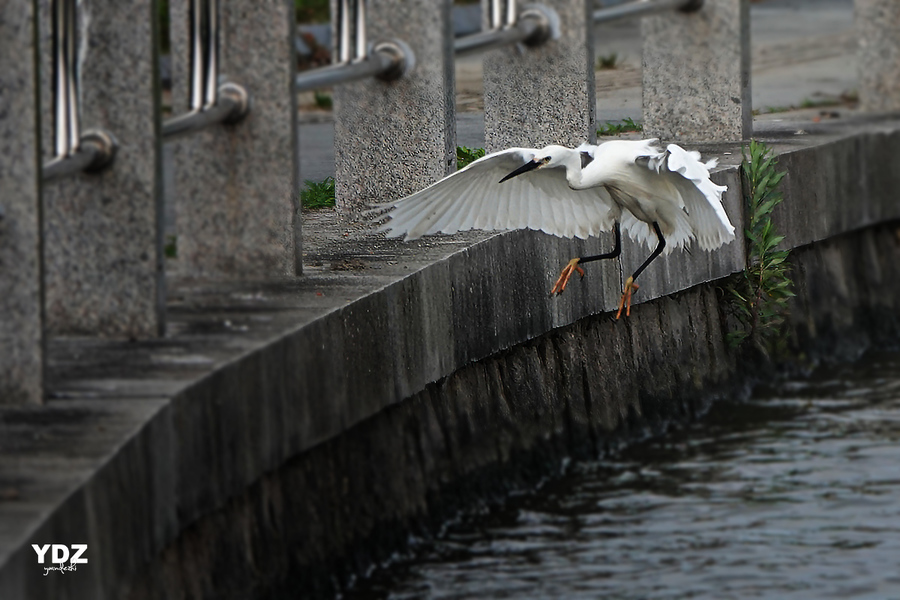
(576, 193)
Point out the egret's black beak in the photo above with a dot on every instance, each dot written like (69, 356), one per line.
(529, 166)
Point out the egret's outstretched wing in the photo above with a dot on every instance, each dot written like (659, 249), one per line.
(474, 198)
(702, 198)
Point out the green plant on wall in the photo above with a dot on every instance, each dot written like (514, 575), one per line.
(762, 292)
(317, 194)
(465, 155)
(311, 11)
(320, 194)
(625, 126)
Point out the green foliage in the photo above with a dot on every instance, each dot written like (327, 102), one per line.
(625, 126)
(608, 61)
(170, 249)
(318, 194)
(312, 11)
(464, 155)
(761, 293)
(323, 100)
(165, 44)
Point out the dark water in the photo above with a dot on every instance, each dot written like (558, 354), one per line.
(792, 494)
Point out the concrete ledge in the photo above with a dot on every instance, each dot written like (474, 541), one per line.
(505, 423)
(255, 375)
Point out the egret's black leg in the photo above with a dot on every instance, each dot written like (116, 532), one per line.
(657, 252)
(570, 268)
(630, 285)
(614, 254)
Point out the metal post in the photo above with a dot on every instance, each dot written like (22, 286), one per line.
(21, 302)
(65, 76)
(361, 48)
(511, 13)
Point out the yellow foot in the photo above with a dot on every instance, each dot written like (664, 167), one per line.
(625, 301)
(567, 271)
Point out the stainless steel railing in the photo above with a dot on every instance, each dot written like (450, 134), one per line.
(643, 8)
(74, 151)
(392, 59)
(209, 102)
(387, 59)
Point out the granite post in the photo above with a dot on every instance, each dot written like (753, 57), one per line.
(696, 69)
(393, 138)
(103, 231)
(878, 28)
(535, 96)
(21, 355)
(235, 185)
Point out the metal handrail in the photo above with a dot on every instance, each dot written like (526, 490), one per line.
(535, 25)
(387, 60)
(392, 59)
(96, 150)
(498, 22)
(74, 152)
(231, 104)
(209, 102)
(643, 8)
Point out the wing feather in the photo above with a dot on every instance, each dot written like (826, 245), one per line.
(702, 197)
(436, 209)
(473, 198)
(568, 219)
(453, 209)
(697, 201)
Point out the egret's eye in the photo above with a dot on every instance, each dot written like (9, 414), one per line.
(546, 160)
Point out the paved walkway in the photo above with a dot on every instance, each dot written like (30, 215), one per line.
(804, 53)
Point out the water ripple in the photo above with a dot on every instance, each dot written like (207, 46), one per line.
(794, 494)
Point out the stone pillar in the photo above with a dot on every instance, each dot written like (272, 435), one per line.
(394, 138)
(697, 73)
(878, 28)
(235, 186)
(543, 95)
(103, 231)
(21, 346)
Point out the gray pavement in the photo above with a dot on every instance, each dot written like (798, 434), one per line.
(803, 53)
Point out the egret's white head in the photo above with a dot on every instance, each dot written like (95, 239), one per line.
(550, 156)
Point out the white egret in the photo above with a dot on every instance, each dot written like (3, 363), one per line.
(654, 194)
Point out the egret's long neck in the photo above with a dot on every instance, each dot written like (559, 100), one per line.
(574, 173)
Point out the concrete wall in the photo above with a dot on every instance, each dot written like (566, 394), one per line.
(505, 422)
(21, 327)
(236, 185)
(102, 232)
(878, 56)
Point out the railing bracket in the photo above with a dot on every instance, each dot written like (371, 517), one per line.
(402, 59)
(239, 97)
(547, 21)
(102, 144)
